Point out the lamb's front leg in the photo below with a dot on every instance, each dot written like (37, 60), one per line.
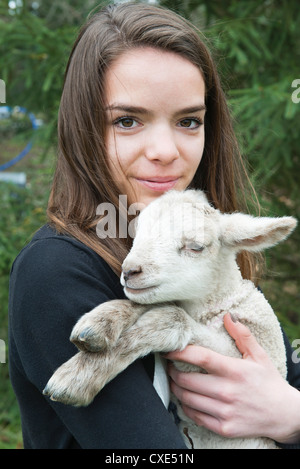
(161, 329)
(102, 327)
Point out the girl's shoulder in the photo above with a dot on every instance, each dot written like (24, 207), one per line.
(59, 259)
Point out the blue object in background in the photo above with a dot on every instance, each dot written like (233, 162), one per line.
(5, 112)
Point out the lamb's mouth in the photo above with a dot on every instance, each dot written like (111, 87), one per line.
(136, 291)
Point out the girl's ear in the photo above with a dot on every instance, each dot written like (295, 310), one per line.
(244, 232)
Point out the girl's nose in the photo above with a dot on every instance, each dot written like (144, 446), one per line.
(161, 145)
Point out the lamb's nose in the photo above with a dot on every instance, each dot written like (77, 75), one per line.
(131, 273)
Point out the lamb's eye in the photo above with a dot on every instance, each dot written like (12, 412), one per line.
(192, 246)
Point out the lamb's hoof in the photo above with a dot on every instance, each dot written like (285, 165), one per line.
(74, 383)
(62, 396)
(67, 390)
(87, 340)
(91, 334)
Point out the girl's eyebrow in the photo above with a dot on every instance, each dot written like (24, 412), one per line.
(127, 108)
(140, 110)
(191, 109)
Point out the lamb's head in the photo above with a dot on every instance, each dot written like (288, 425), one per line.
(184, 248)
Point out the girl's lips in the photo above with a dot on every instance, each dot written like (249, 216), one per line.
(158, 184)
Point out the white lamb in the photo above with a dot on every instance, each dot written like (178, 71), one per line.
(181, 278)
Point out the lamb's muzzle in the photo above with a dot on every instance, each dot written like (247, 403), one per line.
(131, 273)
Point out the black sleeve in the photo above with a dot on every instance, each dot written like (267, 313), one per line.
(293, 377)
(293, 367)
(53, 282)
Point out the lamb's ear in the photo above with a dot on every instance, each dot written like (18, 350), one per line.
(244, 232)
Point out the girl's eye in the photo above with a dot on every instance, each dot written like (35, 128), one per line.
(190, 123)
(126, 123)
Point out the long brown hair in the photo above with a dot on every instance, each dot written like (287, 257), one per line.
(82, 179)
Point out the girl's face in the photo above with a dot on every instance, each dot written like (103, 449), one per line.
(155, 122)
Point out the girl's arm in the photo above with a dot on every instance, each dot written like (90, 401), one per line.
(53, 282)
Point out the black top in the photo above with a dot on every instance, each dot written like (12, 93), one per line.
(54, 281)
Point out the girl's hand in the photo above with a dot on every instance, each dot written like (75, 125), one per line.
(237, 398)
